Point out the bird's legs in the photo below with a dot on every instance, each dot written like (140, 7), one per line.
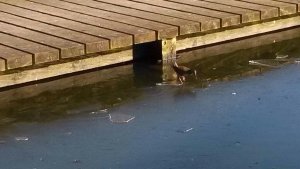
(181, 79)
(195, 73)
(175, 64)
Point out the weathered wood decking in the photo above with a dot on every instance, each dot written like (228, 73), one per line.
(46, 38)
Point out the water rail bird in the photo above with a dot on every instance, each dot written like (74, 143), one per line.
(183, 71)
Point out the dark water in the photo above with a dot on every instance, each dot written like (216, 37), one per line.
(234, 115)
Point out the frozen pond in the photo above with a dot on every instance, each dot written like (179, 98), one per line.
(236, 115)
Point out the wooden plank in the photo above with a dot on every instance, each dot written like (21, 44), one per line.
(234, 34)
(2, 64)
(293, 2)
(14, 58)
(245, 43)
(117, 39)
(207, 23)
(163, 30)
(228, 19)
(64, 68)
(67, 48)
(92, 44)
(41, 53)
(82, 23)
(185, 26)
(267, 12)
(247, 15)
(284, 8)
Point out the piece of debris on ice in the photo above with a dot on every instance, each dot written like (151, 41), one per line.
(120, 118)
(76, 161)
(21, 138)
(68, 133)
(103, 111)
(237, 143)
(297, 61)
(234, 93)
(263, 63)
(279, 56)
(185, 131)
(169, 84)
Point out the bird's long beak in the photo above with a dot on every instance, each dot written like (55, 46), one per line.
(195, 73)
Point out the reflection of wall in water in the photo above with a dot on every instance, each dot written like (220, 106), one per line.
(87, 92)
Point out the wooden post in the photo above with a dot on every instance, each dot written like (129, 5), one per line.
(168, 73)
(168, 57)
(168, 49)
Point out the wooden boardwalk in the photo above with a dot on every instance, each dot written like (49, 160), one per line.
(45, 38)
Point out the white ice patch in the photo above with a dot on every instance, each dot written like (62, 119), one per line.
(120, 118)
